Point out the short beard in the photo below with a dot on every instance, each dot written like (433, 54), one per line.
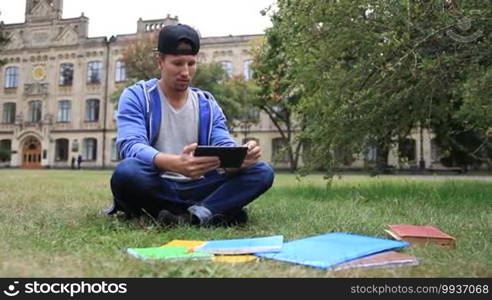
(177, 89)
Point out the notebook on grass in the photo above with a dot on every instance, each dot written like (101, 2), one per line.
(326, 250)
(191, 244)
(243, 246)
(167, 253)
(421, 235)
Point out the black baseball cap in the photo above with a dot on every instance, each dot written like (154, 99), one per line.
(174, 39)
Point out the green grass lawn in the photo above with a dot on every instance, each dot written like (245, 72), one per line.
(51, 226)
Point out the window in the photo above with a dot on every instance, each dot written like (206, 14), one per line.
(371, 154)
(436, 151)
(61, 150)
(252, 115)
(66, 74)
(89, 151)
(75, 145)
(407, 149)
(92, 110)
(279, 150)
(35, 111)
(8, 113)
(94, 69)
(227, 66)
(120, 71)
(5, 144)
(115, 155)
(5, 150)
(64, 108)
(11, 77)
(248, 73)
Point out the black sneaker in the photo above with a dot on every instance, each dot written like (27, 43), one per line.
(167, 218)
(117, 208)
(239, 218)
(232, 219)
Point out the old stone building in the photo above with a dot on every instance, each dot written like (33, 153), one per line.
(57, 82)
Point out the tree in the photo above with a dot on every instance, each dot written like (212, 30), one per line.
(140, 63)
(370, 71)
(3, 41)
(277, 94)
(140, 58)
(233, 94)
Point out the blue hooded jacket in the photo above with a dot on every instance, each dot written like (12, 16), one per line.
(139, 120)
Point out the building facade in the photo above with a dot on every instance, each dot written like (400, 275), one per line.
(57, 82)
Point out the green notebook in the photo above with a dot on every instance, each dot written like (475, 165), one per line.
(167, 253)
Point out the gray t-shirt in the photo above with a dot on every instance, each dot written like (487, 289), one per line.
(179, 127)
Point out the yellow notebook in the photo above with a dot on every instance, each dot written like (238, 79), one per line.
(185, 243)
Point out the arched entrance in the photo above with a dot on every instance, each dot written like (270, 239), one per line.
(31, 153)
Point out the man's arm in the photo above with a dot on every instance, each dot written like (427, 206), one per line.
(220, 133)
(132, 131)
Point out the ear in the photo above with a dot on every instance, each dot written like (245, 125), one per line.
(160, 60)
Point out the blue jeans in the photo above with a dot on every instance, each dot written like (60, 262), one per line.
(137, 185)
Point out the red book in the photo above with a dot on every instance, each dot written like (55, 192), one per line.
(421, 235)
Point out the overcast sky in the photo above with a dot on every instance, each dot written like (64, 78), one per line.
(111, 17)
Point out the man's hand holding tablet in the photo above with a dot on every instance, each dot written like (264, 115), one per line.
(230, 157)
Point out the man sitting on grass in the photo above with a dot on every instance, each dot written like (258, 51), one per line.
(160, 124)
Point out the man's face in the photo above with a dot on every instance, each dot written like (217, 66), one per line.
(177, 71)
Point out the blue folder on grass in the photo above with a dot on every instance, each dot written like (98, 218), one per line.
(327, 250)
(243, 246)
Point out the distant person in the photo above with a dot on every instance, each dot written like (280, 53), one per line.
(73, 162)
(79, 161)
(160, 124)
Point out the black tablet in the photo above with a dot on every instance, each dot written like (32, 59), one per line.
(230, 157)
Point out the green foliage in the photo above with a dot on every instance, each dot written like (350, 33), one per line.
(141, 60)
(370, 71)
(476, 111)
(278, 94)
(234, 95)
(3, 41)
